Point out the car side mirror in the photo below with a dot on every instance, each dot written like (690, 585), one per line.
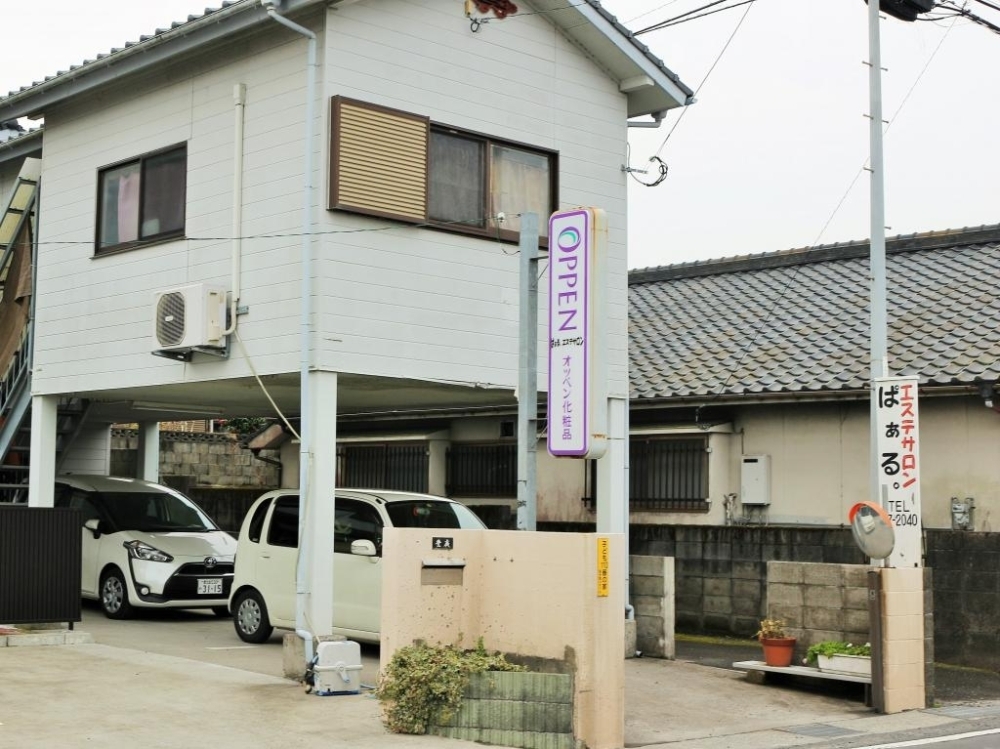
(363, 548)
(94, 526)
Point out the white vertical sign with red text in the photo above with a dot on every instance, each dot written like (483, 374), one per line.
(577, 406)
(898, 456)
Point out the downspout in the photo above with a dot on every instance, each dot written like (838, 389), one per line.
(305, 428)
(239, 102)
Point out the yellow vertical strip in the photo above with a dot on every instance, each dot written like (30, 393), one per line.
(603, 563)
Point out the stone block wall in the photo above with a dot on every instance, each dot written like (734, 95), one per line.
(722, 571)
(652, 584)
(819, 602)
(198, 459)
(511, 708)
(966, 569)
(721, 578)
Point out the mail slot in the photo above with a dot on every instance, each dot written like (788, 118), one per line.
(442, 571)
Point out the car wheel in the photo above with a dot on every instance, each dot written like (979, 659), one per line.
(250, 617)
(220, 611)
(114, 595)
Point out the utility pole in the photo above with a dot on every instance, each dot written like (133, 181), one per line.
(879, 354)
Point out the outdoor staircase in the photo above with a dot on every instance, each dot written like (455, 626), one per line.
(17, 245)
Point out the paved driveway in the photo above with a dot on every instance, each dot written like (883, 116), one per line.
(200, 636)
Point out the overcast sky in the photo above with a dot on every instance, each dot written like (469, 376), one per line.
(761, 162)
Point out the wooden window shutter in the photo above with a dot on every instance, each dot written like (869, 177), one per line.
(378, 160)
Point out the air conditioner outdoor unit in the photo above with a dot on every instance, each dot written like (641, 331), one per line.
(188, 318)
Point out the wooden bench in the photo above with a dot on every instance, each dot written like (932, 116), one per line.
(759, 669)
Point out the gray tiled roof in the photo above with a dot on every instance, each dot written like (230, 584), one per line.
(226, 4)
(128, 45)
(798, 320)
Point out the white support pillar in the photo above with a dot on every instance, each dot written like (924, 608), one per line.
(612, 508)
(317, 538)
(149, 451)
(42, 476)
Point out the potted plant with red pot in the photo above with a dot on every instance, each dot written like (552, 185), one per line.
(779, 647)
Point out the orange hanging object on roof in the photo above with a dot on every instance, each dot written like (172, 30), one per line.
(500, 8)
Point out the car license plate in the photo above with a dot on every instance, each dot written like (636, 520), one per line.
(209, 587)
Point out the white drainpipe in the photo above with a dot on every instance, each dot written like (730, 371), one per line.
(305, 430)
(239, 103)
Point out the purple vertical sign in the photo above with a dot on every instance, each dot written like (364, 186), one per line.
(569, 333)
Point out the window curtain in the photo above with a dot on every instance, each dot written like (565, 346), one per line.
(128, 207)
(520, 184)
(455, 192)
(164, 197)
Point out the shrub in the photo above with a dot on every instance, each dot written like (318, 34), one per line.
(835, 647)
(423, 684)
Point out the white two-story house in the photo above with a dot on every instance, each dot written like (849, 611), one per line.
(307, 210)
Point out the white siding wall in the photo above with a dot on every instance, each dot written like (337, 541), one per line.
(90, 452)
(95, 313)
(446, 304)
(399, 301)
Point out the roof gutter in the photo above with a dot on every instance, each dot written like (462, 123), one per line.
(812, 396)
(16, 149)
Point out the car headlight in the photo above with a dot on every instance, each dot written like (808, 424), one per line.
(140, 550)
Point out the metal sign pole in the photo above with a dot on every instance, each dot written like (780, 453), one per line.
(527, 382)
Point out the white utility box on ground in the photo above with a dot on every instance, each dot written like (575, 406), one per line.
(338, 668)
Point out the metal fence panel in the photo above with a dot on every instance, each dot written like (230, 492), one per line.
(39, 564)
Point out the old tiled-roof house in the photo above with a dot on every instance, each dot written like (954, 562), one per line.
(767, 356)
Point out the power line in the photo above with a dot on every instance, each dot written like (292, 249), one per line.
(669, 21)
(795, 270)
(892, 119)
(749, 4)
(680, 19)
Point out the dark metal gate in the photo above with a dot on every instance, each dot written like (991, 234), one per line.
(39, 564)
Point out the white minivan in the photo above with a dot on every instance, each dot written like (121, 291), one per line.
(146, 545)
(263, 593)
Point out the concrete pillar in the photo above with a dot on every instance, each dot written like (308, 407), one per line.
(612, 494)
(317, 532)
(148, 468)
(42, 476)
(902, 620)
(437, 466)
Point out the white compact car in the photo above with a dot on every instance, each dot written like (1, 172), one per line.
(263, 594)
(146, 545)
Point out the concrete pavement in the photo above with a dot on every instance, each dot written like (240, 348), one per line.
(91, 695)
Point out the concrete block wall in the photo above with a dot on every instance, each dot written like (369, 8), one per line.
(819, 601)
(198, 458)
(903, 665)
(652, 586)
(530, 710)
(966, 589)
(962, 599)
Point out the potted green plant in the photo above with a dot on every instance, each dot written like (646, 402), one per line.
(839, 657)
(778, 646)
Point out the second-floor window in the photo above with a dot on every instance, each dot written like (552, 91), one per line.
(142, 200)
(472, 179)
(400, 165)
